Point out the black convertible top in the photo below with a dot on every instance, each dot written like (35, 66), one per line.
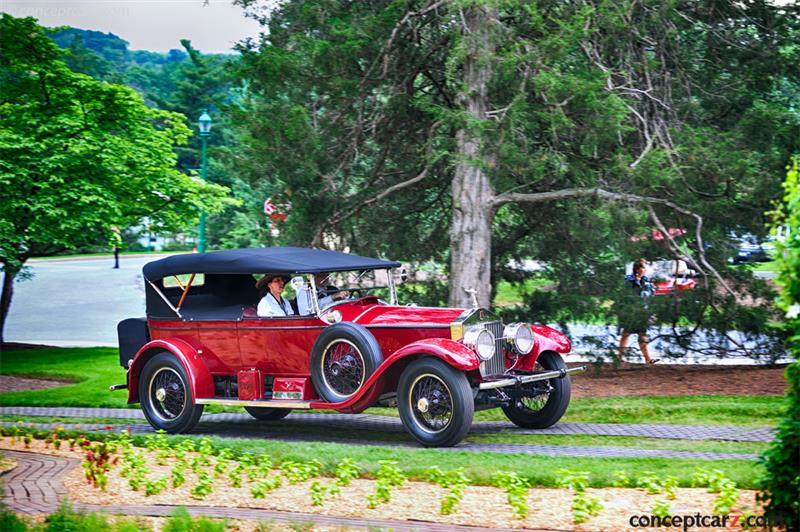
(284, 260)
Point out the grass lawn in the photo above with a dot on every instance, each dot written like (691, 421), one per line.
(97, 368)
(482, 466)
(510, 294)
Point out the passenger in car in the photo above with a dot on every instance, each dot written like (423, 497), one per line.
(273, 303)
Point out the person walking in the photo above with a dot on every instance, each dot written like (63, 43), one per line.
(636, 318)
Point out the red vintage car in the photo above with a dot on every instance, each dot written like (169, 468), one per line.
(202, 343)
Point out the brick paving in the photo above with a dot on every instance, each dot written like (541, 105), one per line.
(34, 486)
(369, 422)
(261, 430)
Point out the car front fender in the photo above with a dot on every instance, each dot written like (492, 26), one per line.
(200, 380)
(454, 353)
(545, 339)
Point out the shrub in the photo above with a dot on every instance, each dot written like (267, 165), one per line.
(781, 484)
(181, 521)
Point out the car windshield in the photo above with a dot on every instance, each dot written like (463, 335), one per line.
(361, 283)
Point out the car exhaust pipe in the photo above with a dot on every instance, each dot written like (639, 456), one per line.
(115, 387)
(518, 380)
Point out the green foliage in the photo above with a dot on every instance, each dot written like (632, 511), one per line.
(649, 482)
(620, 479)
(97, 462)
(781, 484)
(661, 508)
(80, 156)
(319, 491)
(583, 506)
(204, 485)
(156, 486)
(178, 474)
(367, 148)
(387, 477)
(455, 481)
(260, 488)
(346, 471)
(516, 489)
(181, 521)
(11, 522)
(716, 482)
(296, 472)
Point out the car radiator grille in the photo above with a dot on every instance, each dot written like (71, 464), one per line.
(497, 364)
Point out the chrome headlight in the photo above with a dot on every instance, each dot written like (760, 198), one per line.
(481, 341)
(520, 336)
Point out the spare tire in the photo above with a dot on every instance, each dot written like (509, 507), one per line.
(342, 359)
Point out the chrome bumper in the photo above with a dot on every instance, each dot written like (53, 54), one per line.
(517, 380)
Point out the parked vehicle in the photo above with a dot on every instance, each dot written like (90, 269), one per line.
(202, 343)
(669, 276)
(749, 252)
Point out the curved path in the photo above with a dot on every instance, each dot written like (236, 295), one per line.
(243, 426)
(34, 486)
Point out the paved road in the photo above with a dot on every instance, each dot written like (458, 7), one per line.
(76, 302)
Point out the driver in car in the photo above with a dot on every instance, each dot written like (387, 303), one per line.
(326, 294)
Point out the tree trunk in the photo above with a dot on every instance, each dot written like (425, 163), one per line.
(471, 227)
(5, 298)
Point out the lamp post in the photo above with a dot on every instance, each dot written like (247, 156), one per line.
(204, 124)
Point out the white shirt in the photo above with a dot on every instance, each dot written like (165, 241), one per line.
(269, 306)
(304, 300)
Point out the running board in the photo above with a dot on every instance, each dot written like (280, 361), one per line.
(262, 403)
(516, 380)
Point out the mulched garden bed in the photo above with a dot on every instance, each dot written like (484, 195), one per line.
(481, 506)
(678, 380)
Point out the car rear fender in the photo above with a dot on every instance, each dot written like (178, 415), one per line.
(200, 379)
(454, 353)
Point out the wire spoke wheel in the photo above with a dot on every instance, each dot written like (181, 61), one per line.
(540, 393)
(343, 367)
(431, 403)
(541, 404)
(167, 393)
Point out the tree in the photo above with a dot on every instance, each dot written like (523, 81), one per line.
(570, 120)
(79, 157)
(781, 484)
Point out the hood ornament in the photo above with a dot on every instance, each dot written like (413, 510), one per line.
(474, 294)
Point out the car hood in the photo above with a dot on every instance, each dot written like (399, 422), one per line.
(387, 315)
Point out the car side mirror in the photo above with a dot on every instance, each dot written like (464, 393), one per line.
(297, 283)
